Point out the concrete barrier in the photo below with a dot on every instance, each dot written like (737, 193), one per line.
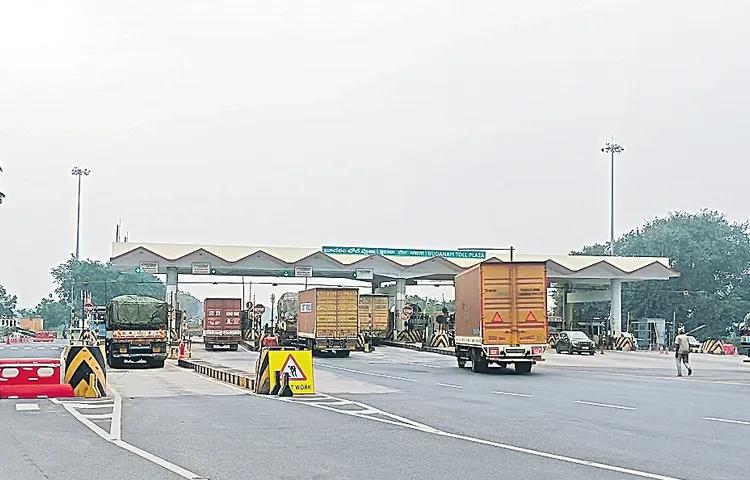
(232, 376)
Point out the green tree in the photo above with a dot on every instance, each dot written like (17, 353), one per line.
(8, 303)
(103, 281)
(713, 258)
(55, 313)
(192, 306)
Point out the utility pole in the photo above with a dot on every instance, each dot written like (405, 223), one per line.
(79, 172)
(612, 148)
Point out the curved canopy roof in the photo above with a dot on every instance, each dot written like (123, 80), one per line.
(273, 261)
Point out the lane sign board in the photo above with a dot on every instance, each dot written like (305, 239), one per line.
(149, 267)
(88, 308)
(364, 273)
(201, 268)
(303, 271)
(298, 364)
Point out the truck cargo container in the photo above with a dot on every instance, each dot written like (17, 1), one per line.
(222, 323)
(501, 315)
(136, 329)
(327, 320)
(373, 316)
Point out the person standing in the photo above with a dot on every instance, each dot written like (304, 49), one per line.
(682, 351)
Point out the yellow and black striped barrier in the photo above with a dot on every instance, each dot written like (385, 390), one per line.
(86, 370)
(263, 373)
(623, 343)
(439, 340)
(552, 340)
(409, 336)
(713, 347)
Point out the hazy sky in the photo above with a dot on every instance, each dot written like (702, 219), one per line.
(404, 123)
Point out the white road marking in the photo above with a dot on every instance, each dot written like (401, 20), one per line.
(513, 394)
(724, 420)
(606, 405)
(114, 434)
(41, 348)
(372, 374)
(14, 348)
(405, 422)
(27, 348)
(449, 385)
(27, 407)
(99, 416)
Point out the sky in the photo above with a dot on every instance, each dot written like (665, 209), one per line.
(409, 123)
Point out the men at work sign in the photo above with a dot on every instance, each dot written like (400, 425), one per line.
(298, 364)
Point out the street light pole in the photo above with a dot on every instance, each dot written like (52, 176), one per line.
(612, 149)
(79, 172)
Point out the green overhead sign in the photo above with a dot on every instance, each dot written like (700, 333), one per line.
(404, 252)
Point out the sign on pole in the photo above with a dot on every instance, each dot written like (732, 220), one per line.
(149, 267)
(88, 308)
(364, 273)
(408, 310)
(201, 268)
(303, 271)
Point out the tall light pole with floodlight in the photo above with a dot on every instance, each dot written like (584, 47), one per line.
(612, 148)
(79, 172)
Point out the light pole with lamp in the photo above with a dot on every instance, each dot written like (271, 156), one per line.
(79, 172)
(612, 149)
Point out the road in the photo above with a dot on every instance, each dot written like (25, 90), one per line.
(33, 349)
(397, 414)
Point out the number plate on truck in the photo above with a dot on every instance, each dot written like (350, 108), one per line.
(515, 350)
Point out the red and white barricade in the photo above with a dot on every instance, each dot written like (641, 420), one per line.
(32, 378)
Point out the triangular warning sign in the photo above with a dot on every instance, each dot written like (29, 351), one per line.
(293, 369)
(497, 318)
(530, 317)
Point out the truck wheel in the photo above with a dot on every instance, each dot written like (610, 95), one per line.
(209, 347)
(478, 365)
(461, 362)
(233, 347)
(342, 353)
(523, 368)
(155, 362)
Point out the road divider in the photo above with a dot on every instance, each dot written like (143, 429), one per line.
(713, 347)
(85, 369)
(232, 376)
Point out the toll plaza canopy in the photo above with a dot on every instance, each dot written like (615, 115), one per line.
(372, 264)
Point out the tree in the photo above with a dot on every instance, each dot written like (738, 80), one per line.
(103, 281)
(428, 304)
(713, 258)
(8, 303)
(192, 306)
(55, 313)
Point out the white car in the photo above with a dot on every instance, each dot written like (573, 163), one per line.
(695, 345)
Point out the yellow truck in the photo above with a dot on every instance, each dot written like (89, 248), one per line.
(327, 320)
(501, 315)
(373, 317)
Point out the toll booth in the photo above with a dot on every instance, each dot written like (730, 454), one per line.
(595, 328)
(650, 332)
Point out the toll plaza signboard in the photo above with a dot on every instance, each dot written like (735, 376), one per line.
(298, 364)
(404, 252)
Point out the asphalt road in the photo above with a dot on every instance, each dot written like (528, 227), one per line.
(396, 414)
(621, 409)
(33, 349)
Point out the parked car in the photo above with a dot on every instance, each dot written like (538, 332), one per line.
(574, 342)
(695, 345)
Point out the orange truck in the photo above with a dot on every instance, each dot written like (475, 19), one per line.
(221, 322)
(501, 315)
(327, 320)
(373, 316)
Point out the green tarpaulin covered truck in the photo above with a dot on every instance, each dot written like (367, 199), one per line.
(136, 330)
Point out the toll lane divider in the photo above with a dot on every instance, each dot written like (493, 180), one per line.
(714, 347)
(232, 376)
(85, 369)
(419, 348)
